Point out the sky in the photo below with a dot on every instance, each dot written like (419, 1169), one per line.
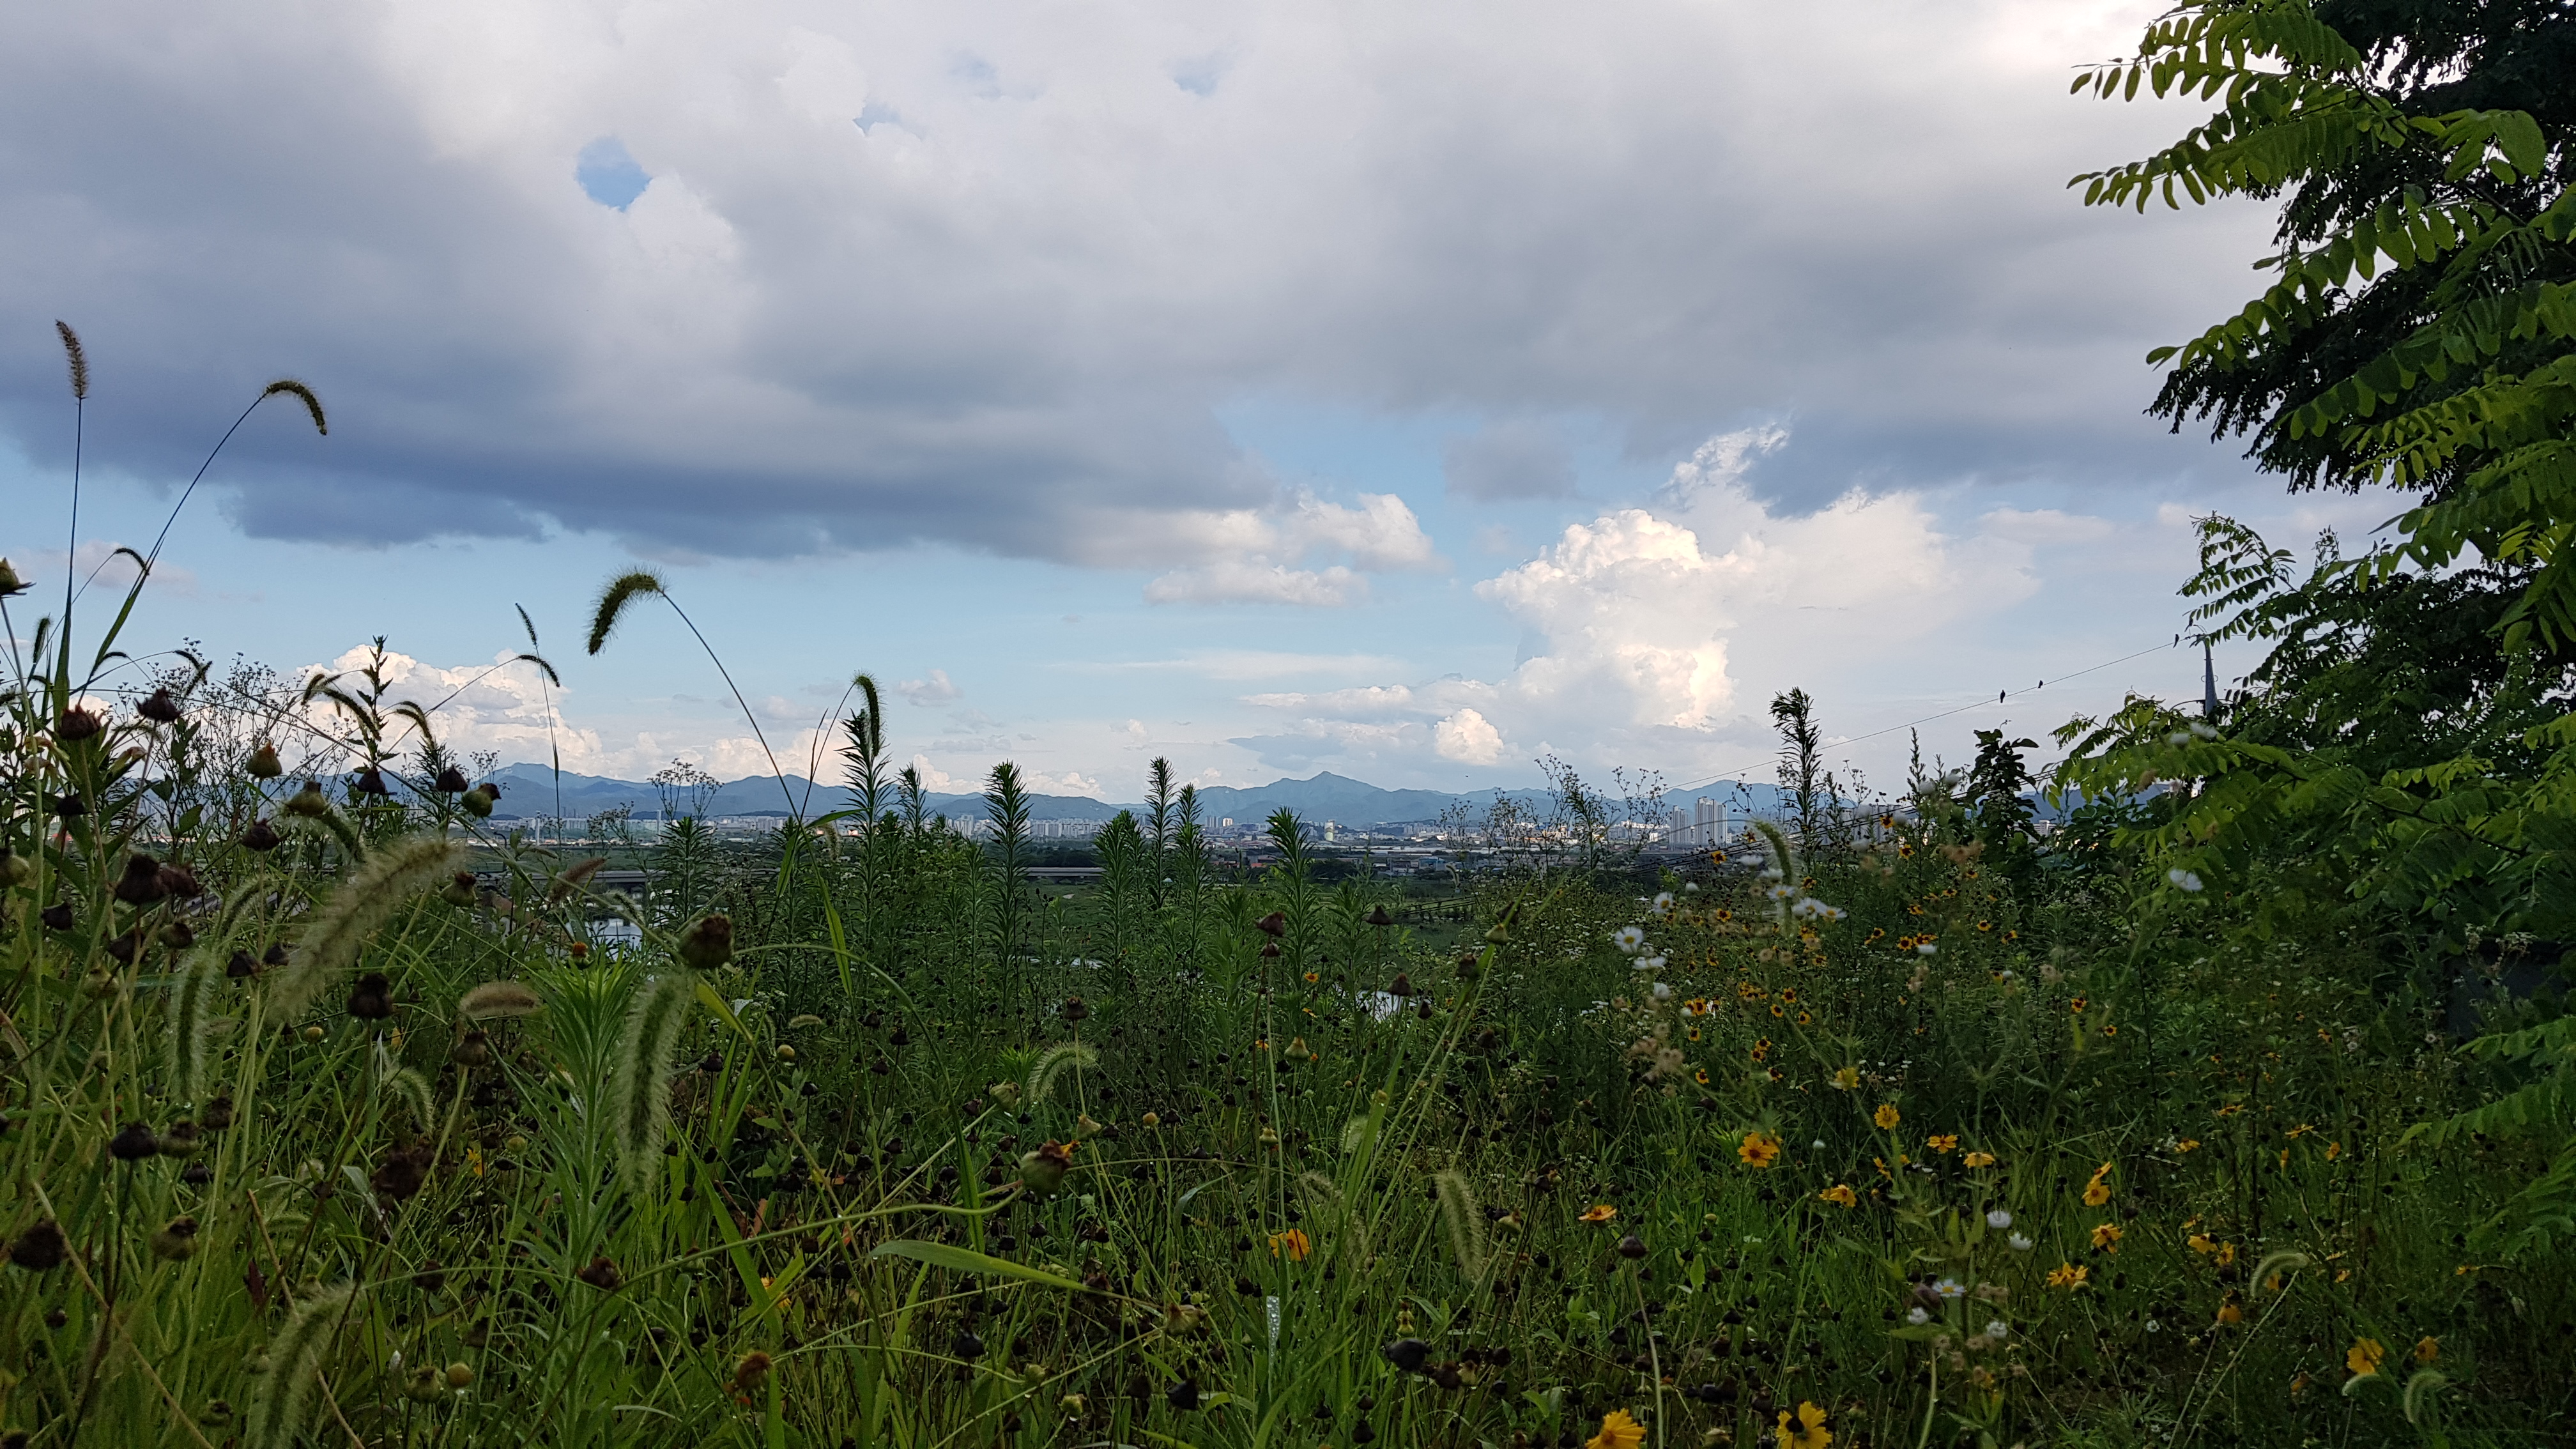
(1414, 392)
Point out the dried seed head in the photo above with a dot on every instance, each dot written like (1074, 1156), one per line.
(1632, 1247)
(1182, 1395)
(178, 936)
(371, 997)
(180, 1139)
(58, 917)
(180, 883)
(749, 1370)
(218, 1114)
(708, 943)
(450, 781)
(10, 583)
(261, 837)
(159, 707)
(141, 885)
(263, 763)
(1407, 1354)
(133, 1143)
(40, 1247)
(370, 781)
(77, 724)
(1274, 924)
(459, 890)
(177, 1240)
(75, 358)
(1075, 1009)
(241, 967)
(1043, 1170)
(478, 802)
(309, 803)
(603, 1275)
(1377, 916)
(474, 1049)
(1401, 987)
(402, 1173)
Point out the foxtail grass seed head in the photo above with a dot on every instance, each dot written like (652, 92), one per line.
(294, 1360)
(708, 942)
(260, 837)
(639, 1087)
(263, 763)
(304, 395)
(75, 358)
(498, 999)
(176, 1242)
(41, 1248)
(389, 879)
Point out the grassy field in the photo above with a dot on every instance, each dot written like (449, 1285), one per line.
(1935, 1135)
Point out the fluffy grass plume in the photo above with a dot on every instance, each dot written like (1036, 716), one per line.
(1462, 1220)
(294, 1362)
(621, 591)
(391, 878)
(189, 1023)
(77, 359)
(639, 1091)
(498, 998)
(1058, 1059)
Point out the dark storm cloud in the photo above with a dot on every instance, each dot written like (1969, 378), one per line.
(1009, 320)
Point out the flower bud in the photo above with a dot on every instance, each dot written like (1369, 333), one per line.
(263, 762)
(1043, 1170)
(177, 1240)
(309, 803)
(133, 1143)
(478, 802)
(261, 837)
(141, 883)
(450, 781)
(40, 1248)
(159, 707)
(459, 890)
(708, 943)
(76, 724)
(459, 1376)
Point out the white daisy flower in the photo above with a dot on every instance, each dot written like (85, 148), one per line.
(2183, 880)
(1630, 939)
(1999, 1218)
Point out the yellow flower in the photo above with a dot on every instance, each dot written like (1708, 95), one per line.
(2427, 1349)
(2364, 1356)
(1618, 1431)
(1809, 1432)
(1886, 1116)
(1846, 1079)
(474, 1160)
(1758, 1149)
(1945, 1142)
(2098, 1191)
(2333, 1151)
(1840, 1195)
(1294, 1240)
(2231, 1312)
(2106, 1236)
(1598, 1213)
(2226, 1254)
(2202, 1243)
(2188, 1144)
(2068, 1275)
(1979, 1159)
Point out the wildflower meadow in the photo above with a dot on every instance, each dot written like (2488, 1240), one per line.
(2210, 1086)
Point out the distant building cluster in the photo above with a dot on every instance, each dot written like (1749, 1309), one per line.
(1708, 822)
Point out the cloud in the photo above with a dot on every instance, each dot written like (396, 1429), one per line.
(1657, 632)
(1251, 554)
(937, 689)
(782, 277)
(1509, 460)
(1467, 738)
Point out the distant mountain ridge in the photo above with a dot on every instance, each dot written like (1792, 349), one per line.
(528, 790)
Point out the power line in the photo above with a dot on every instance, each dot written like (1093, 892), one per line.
(2001, 696)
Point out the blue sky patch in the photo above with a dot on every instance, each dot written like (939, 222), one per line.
(608, 175)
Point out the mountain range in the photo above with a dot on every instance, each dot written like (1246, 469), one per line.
(531, 790)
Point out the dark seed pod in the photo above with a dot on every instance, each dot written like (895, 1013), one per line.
(57, 917)
(70, 807)
(241, 967)
(402, 1174)
(40, 1247)
(159, 707)
(450, 781)
(261, 837)
(196, 1174)
(371, 998)
(708, 943)
(308, 803)
(123, 949)
(178, 935)
(133, 1143)
(180, 883)
(1402, 986)
(966, 1346)
(370, 781)
(275, 955)
(459, 890)
(1407, 1354)
(141, 883)
(1182, 1395)
(474, 1049)
(603, 1275)
(1377, 916)
(218, 1114)
(1270, 951)
(181, 1140)
(177, 1240)
(76, 724)
(1274, 924)
(1075, 1009)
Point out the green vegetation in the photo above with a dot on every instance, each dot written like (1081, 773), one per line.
(2226, 1111)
